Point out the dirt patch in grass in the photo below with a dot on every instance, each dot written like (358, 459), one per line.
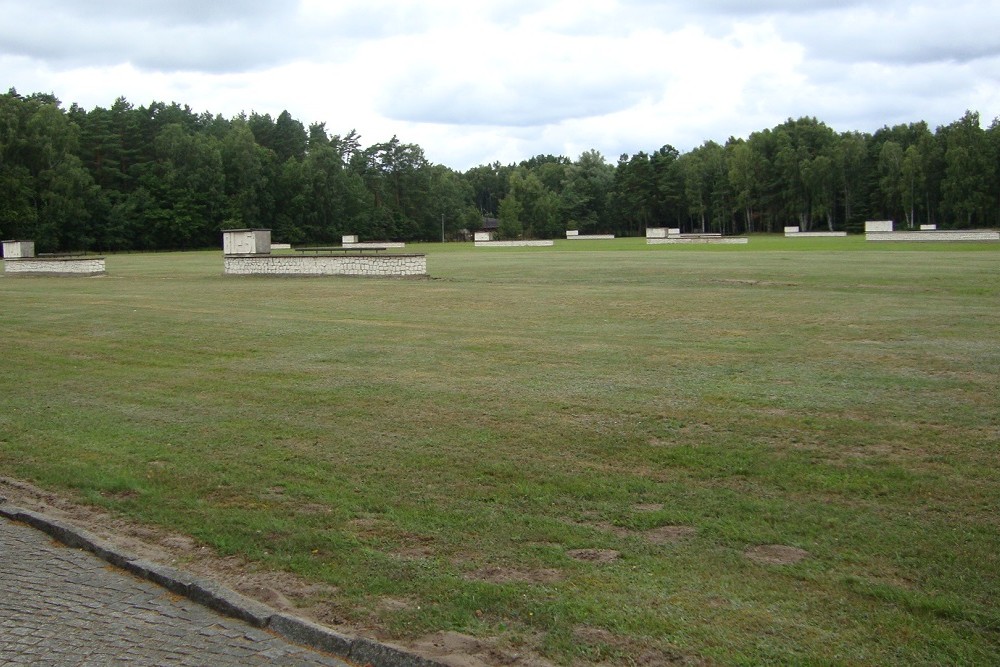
(776, 554)
(619, 649)
(599, 556)
(669, 534)
(459, 650)
(395, 604)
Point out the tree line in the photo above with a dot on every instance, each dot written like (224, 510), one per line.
(164, 177)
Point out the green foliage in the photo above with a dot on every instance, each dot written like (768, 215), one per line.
(162, 176)
(510, 227)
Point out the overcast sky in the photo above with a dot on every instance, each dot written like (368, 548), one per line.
(474, 81)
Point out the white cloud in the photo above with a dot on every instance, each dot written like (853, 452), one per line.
(491, 80)
(915, 33)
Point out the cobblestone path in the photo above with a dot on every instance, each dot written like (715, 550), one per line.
(63, 606)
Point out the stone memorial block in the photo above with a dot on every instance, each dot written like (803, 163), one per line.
(878, 226)
(18, 249)
(246, 241)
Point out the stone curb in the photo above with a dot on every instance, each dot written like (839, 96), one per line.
(223, 600)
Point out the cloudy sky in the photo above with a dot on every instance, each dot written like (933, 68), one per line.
(473, 81)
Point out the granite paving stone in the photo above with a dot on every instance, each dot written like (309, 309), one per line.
(64, 606)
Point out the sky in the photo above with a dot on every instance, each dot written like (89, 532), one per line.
(473, 82)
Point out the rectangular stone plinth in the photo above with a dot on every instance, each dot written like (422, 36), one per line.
(374, 244)
(936, 235)
(722, 240)
(55, 266)
(513, 244)
(375, 266)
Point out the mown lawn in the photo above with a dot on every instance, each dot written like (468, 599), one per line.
(585, 451)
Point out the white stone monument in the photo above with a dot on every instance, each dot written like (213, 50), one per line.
(878, 226)
(246, 241)
(18, 249)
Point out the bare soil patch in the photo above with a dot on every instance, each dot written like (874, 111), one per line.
(669, 534)
(599, 556)
(638, 654)
(776, 554)
(460, 650)
(395, 604)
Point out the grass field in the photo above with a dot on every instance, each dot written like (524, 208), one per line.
(781, 452)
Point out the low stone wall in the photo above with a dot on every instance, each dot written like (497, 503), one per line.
(590, 237)
(512, 244)
(725, 240)
(377, 266)
(936, 235)
(374, 244)
(814, 234)
(55, 266)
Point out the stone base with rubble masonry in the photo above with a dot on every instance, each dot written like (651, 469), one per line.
(55, 266)
(698, 238)
(936, 235)
(376, 266)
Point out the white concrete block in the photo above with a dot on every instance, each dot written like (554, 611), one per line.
(878, 226)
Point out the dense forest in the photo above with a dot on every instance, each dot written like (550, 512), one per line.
(164, 177)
